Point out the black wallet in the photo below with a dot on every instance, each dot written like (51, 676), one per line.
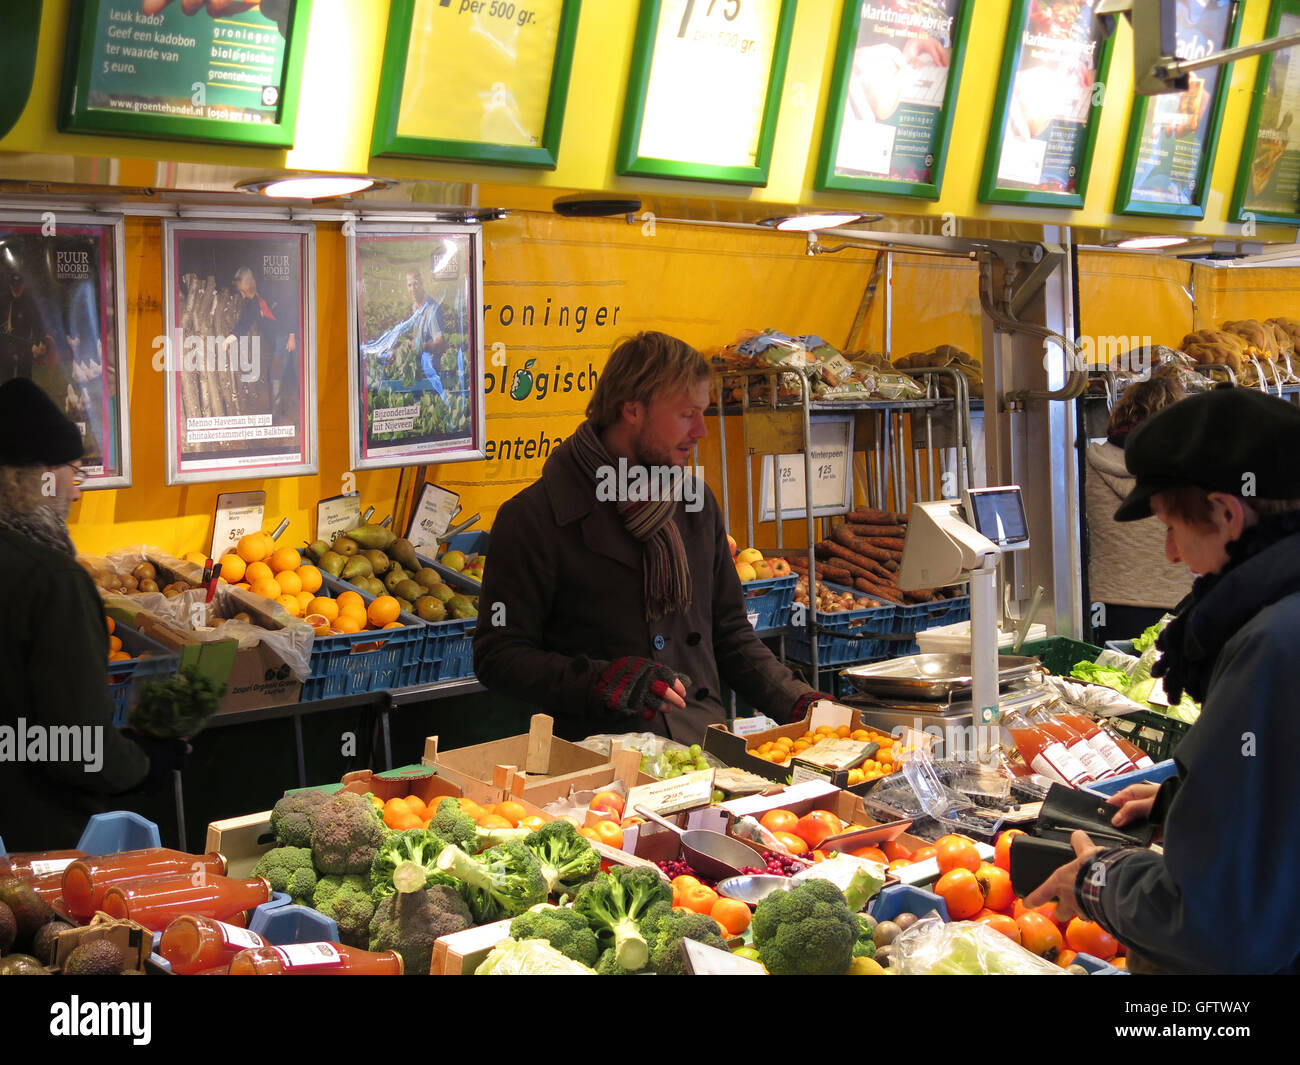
(1066, 810)
(1033, 860)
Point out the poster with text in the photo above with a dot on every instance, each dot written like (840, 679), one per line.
(214, 70)
(239, 351)
(417, 355)
(1172, 136)
(1049, 102)
(896, 80)
(1268, 186)
(61, 327)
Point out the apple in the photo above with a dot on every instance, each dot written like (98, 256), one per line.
(731, 543)
(762, 571)
(745, 571)
(780, 567)
(750, 555)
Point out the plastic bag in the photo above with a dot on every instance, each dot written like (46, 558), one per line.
(932, 947)
(1092, 698)
(529, 957)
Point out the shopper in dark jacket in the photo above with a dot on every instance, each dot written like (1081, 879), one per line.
(607, 611)
(60, 756)
(1218, 470)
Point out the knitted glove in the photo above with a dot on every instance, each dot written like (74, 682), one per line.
(802, 705)
(164, 756)
(634, 685)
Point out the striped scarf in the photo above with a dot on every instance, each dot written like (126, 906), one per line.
(667, 576)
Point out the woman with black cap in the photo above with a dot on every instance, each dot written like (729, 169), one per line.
(60, 756)
(1219, 470)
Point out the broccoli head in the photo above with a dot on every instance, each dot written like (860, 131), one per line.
(806, 931)
(454, 825)
(291, 817)
(346, 835)
(415, 845)
(865, 945)
(501, 882)
(607, 965)
(410, 921)
(566, 931)
(347, 900)
(568, 859)
(615, 903)
(289, 871)
(667, 930)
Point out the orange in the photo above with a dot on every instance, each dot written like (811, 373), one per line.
(494, 821)
(394, 625)
(416, 805)
(114, 643)
(111, 625)
(469, 806)
(348, 623)
(119, 656)
(319, 622)
(304, 600)
(233, 568)
(285, 559)
(258, 571)
(251, 548)
(325, 606)
(732, 914)
(699, 898)
(353, 611)
(384, 609)
(685, 882)
(290, 604)
(532, 822)
(513, 812)
(311, 578)
(268, 588)
(344, 598)
(290, 583)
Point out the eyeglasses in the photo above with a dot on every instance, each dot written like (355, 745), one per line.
(77, 478)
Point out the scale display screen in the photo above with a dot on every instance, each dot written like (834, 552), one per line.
(998, 514)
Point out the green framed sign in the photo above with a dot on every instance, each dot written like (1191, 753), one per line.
(1048, 109)
(1171, 138)
(205, 72)
(893, 93)
(482, 80)
(1268, 181)
(705, 88)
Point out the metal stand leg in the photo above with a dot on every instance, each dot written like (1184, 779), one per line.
(178, 791)
(388, 746)
(302, 758)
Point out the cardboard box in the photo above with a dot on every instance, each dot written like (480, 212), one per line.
(537, 766)
(460, 953)
(133, 940)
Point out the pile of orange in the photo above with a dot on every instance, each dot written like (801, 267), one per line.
(349, 613)
(115, 652)
(280, 574)
(732, 915)
(782, 749)
(412, 812)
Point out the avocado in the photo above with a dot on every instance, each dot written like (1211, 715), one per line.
(22, 965)
(8, 928)
(29, 909)
(44, 941)
(98, 958)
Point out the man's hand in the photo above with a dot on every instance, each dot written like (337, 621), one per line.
(1134, 803)
(1060, 885)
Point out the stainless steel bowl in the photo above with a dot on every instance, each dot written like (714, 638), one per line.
(754, 887)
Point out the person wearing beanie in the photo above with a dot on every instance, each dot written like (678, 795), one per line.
(1219, 472)
(1131, 585)
(60, 756)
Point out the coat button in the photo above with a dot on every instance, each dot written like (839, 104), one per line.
(702, 694)
(693, 639)
(659, 643)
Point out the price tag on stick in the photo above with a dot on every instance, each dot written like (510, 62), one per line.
(431, 518)
(337, 514)
(238, 514)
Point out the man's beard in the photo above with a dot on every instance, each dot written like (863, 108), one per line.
(646, 454)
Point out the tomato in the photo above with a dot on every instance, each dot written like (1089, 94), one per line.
(1002, 848)
(1088, 937)
(608, 804)
(794, 844)
(954, 852)
(922, 853)
(961, 891)
(779, 820)
(895, 850)
(874, 854)
(609, 833)
(996, 885)
(1039, 935)
(1000, 922)
(700, 899)
(817, 826)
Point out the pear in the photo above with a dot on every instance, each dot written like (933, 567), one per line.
(358, 566)
(430, 608)
(454, 560)
(405, 604)
(460, 606)
(441, 592)
(317, 548)
(394, 577)
(332, 563)
(345, 547)
(428, 577)
(404, 552)
(409, 590)
(374, 586)
(373, 536)
(378, 560)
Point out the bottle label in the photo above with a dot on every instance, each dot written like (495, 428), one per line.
(51, 865)
(1091, 761)
(1062, 764)
(239, 937)
(1110, 752)
(309, 956)
(1145, 762)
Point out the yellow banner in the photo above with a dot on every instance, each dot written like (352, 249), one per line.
(479, 70)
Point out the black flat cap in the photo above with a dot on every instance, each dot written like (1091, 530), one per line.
(33, 431)
(1233, 440)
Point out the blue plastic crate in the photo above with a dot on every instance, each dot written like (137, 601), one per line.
(904, 898)
(844, 688)
(769, 602)
(150, 661)
(470, 544)
(921, 616)
(1154, 774)
(366, 661)
(847, 638)
(1097, 967)
(118, 830)
(448, 650)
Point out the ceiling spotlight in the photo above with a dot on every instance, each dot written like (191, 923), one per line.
(313, 186)
(594, 205)
(1150, 243)
(804, 223)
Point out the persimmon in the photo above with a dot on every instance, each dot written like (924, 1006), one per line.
(794, 844)
(996, 885)
(1002, 848)
(1088, 937)
(1039, 935)
(955, 852)
(1000, 922)
(961, 891)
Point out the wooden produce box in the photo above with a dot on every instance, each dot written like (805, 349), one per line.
(460, 953)
(539, 767)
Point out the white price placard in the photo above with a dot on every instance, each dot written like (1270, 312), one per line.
(337, 515)
(678, 793)
(747, 726)
(831, 447)
(431, 518)
(238, 514)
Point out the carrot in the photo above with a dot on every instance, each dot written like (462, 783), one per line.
(844, 538)
(871, 516)
(877, 530)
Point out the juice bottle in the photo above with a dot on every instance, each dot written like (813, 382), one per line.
(1074, 741)
(1045, 754)
(158, 901)
(37, 863)
(49, 887)
(315, 959)
(1099, 740)
(193, 944)
(85, 880)
(1136, 754)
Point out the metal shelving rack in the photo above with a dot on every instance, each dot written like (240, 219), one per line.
(936, 429)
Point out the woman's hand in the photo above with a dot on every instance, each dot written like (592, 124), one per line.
(1134, 803)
